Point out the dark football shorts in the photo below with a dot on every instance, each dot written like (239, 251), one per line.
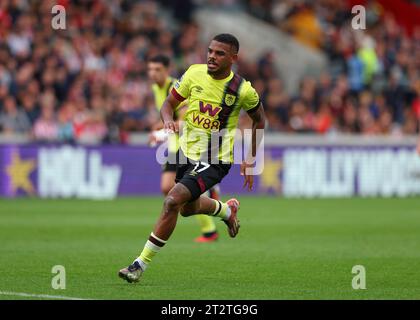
(169, 166)
(200, 176)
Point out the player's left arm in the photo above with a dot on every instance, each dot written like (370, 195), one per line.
(418, 147)
(258, 123)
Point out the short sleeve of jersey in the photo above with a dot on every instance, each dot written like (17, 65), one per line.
(183, 85)
(250, 98)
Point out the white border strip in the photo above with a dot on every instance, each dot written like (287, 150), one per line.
(308, 140)
(45, 296)
(275, 139)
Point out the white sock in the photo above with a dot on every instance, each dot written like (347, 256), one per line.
(141, 263)
(222, 210)
(227, 213)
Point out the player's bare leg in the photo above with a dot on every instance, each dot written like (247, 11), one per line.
(164, 227)
(227, 211)
(176, 198)
(207, 226)
(177, 201)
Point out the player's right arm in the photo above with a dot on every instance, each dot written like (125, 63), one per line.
(167, 113)
(179, 93)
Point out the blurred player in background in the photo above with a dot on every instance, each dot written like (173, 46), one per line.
(158, 68)
(215, 95)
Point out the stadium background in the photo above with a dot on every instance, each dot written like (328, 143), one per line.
(342, 106)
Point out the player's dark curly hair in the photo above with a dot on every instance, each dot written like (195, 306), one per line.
(161, 58)
(228, 39)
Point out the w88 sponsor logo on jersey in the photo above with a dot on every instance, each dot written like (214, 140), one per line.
(207, 117)
(205, 122)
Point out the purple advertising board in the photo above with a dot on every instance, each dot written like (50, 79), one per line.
(64, 171)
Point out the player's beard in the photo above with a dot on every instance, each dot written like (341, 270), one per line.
(211, 72)
(218, 72)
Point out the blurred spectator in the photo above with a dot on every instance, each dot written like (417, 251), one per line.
(65, 131)
(304, 25)
(30, 106)
(12, 119)
(46, 127)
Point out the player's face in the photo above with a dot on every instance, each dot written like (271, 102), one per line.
(157, 72)
(220, 57)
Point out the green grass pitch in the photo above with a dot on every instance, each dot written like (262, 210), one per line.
(286, 249)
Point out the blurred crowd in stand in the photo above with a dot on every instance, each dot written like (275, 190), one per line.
(372, 83)
(89, 81)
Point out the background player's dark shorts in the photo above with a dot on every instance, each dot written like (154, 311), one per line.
(200, 182)
(169, 166)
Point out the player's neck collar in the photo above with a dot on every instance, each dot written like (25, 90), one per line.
(230, 76)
